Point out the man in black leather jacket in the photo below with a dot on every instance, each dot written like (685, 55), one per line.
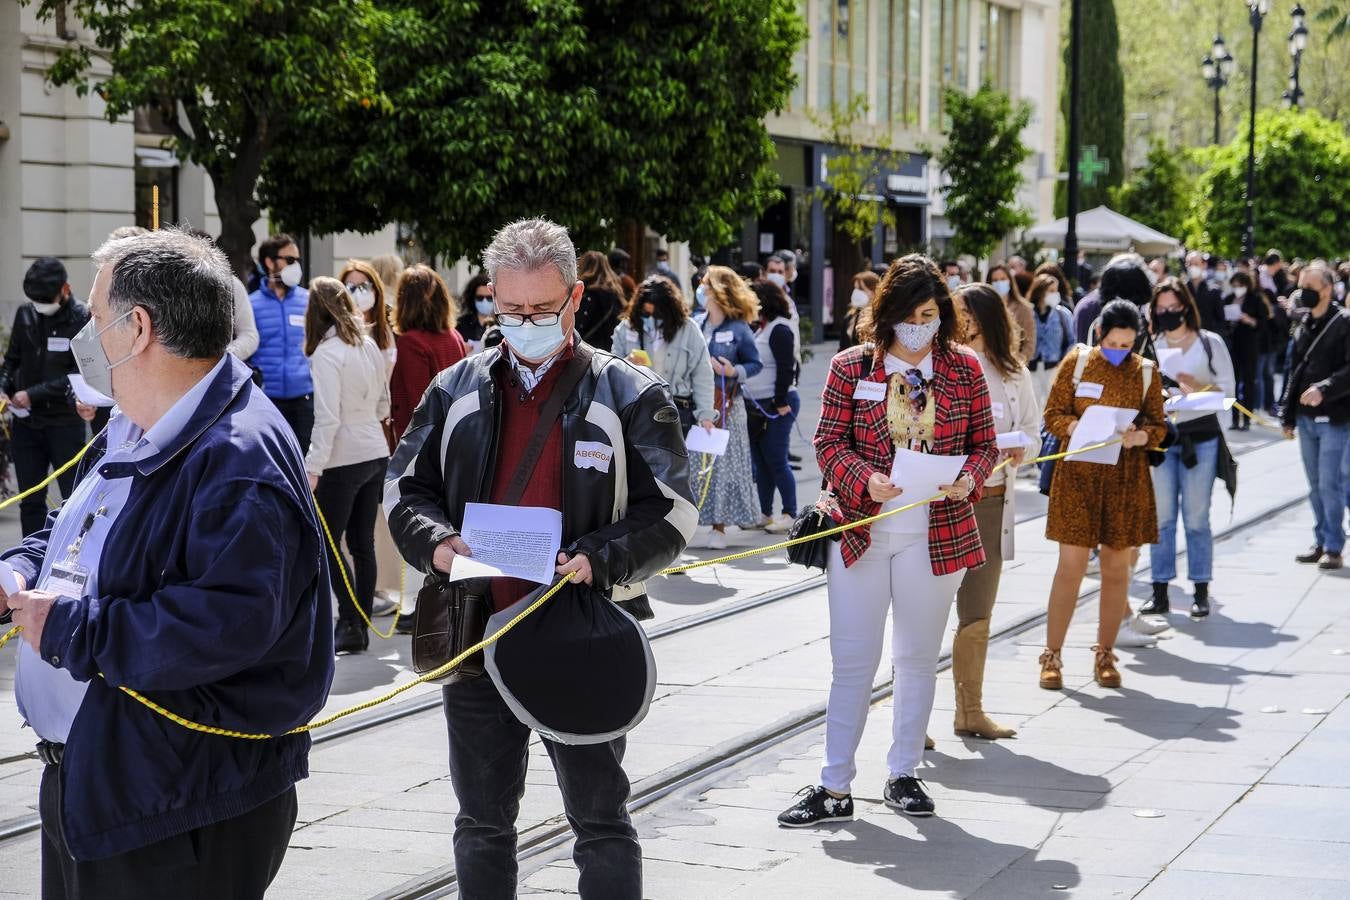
(614, 463)
(47, 431)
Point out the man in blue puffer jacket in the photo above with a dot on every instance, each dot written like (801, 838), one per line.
(187, 565)
(279, 309)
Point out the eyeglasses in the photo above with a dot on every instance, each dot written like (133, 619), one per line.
(545, 319)
(916, 393)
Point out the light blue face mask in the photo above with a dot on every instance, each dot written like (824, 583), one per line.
(484, 307)
(701, 297)
(534, 342)
(649, 323)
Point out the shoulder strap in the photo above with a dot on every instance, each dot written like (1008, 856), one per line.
(1148, 374)
(869, 359)
(1209, 353)
(1081, 364)
(548, 414)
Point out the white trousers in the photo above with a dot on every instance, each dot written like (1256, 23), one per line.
(894, 574)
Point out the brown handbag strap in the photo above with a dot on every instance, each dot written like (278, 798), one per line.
(548, 414)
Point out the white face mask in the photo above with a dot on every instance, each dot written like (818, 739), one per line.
(46, 309)
(290, 276)
(364, 295)
(953, 282)
(1003, 288)
(858, 299)
(916, 337)
(777, 278)
(1053, 300)
(1239, 292)
(1196, 272)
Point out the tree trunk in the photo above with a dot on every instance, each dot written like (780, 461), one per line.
(238, 212)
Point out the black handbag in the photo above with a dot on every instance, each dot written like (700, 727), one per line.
(813, 521)
(451, 617)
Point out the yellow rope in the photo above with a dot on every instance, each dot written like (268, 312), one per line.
(42, 485)
(1258, 419)
(351, 592)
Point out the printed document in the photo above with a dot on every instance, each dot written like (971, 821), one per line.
(1169, 360)
(1098, 425)
(509, 541)
(87, 395)
(1199, 401)
(918, 476)
(1012, 440)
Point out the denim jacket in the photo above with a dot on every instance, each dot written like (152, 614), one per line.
(734, 342)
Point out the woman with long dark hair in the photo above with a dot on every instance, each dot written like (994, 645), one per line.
(1184, 483)
(1247, 337)
(772, 405)
(347, 450)
(1054, 332)
(911, 388)
(427, 340)
(1094, 504)
(477, 316)
(603, 302)
(999, 277)
(988, 331)
(657, 332)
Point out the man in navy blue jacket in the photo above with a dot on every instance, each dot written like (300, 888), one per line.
(187, 565)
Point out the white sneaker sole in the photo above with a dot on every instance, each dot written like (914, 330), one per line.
(825, 821)
(915, 815)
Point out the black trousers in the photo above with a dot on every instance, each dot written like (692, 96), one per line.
(37, 451)
(349, 498)
(489, 754)
(299, 414)
(231, 860)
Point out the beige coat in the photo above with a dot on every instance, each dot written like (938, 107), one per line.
(351, 399)
(1015, 409)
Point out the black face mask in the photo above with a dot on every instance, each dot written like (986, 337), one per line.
(1170, 320)
(1308, 298)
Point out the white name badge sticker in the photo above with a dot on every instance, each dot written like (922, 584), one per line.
(1090, 389)
(1322, 420)
(593, 455)
(998, 409)
(58, 345)
(66, 580)
(869, 391)
(297, 321)
(724, 337)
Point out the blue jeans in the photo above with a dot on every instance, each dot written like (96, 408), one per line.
(1324, 451)
(489, 754)
(769, 456)
(1195, 487)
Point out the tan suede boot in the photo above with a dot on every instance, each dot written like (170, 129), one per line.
(968, 655)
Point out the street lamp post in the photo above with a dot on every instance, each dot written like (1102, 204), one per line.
(1258, 10)
(1298, 42)
(1217, 66)
(1075, 140)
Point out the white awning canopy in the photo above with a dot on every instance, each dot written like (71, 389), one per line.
(1105, 229)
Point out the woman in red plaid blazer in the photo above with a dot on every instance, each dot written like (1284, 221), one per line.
(913, 388)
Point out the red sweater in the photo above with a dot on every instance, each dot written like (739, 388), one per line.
(422, 355)
(519, 418)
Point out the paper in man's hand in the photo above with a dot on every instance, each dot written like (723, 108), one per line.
(509, 541)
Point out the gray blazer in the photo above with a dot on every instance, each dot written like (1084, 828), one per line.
(683, 365)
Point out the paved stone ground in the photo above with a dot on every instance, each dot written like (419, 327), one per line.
(1234, 730)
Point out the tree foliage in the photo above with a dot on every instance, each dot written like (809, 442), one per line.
(983, 158)
(227, 78)
(1101, 104)
(854, 168)
(592, 113)
(1158, 194)
(1302, 180)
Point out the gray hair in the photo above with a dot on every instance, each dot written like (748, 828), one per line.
(528, 245)
(1320, 268)
(182, 282)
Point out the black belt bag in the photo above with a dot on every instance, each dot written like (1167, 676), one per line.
(685, 407)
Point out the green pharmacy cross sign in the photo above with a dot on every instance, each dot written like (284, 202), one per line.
(1090, 166)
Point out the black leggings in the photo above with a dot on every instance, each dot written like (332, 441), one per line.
(1248, 379)
(349, 498)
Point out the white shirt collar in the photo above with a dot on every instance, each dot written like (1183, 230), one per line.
(895, 364)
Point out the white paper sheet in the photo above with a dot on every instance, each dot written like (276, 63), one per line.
(1098, 425)
(918, 475)
(1169, 360)
(1232, 312)
(9, 582)
(18, 413)
(1200, 401)
(87, 395)
(509, 541)
(700, 441)
(1012, 440)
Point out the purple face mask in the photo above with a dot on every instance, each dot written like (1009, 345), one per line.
(1113, 356)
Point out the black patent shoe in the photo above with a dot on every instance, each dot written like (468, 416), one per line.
(1158, 604)
(906, 794)
(350, 638)
(816, 807)
(1312, 556)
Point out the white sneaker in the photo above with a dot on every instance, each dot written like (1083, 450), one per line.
(717, 540)
(780, 525)
(1149, 624)
(1129, 637)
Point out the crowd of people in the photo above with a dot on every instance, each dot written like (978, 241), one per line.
(375, 379)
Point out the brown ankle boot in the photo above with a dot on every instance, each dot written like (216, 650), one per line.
(968, 655)
(1104, 668)
(1052, 679)
(929, 743)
